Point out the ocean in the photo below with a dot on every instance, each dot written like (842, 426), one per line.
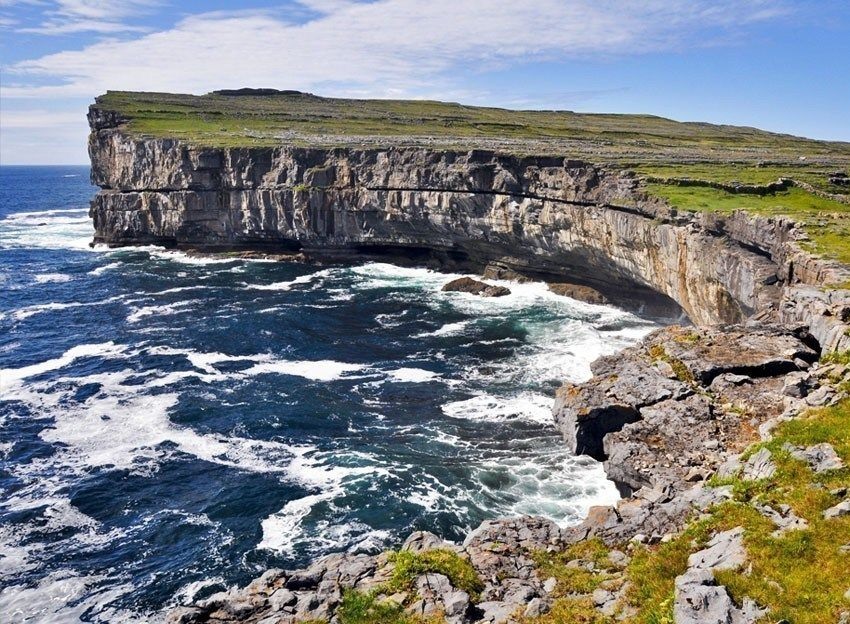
(172, 425)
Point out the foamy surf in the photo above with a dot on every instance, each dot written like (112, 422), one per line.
(260, 414)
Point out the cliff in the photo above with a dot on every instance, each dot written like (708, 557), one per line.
(551, 217)
(667, 416)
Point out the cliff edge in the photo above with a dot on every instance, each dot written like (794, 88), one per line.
(758, 267)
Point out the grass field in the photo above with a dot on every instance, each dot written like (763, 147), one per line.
(226, 120)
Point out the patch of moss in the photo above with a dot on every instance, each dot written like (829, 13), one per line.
(573, 579)
(683, 374)
(409, 565)
(367, 608)
(836, 357)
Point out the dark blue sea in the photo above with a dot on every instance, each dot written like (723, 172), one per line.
(172, 425)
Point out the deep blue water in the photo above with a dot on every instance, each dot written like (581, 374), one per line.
(172, 425)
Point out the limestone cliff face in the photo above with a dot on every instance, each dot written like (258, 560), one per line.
(550, 216)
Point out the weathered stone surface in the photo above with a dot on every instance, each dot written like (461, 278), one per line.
(758, 466)
(474, 287)
(837, 511)
(820, 457)
(784, 518)
(725, 551)
(699, 600)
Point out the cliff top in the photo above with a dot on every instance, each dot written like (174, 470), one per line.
(266, 117)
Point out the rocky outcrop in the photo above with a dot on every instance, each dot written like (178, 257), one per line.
(552, 217)
(475, 287)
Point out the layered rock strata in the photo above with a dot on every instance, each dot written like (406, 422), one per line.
(547, 217)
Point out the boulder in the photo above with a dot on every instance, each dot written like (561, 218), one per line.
(474, 287)
(820, 457)
(725, 551)
(576, 291)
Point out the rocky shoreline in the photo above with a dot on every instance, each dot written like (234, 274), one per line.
(692, 410)
(669, 417)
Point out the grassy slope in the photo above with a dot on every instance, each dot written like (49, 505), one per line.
(226, 120)
(800, 576)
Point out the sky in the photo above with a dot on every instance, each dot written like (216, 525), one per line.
(781, 65)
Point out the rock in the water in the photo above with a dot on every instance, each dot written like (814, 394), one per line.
(576, 291)
(473, 286)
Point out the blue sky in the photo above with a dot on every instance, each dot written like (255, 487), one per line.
(782, 65)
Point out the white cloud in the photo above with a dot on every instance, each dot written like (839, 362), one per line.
(382, 48)
(41, 118)
(74, 16)
(408, 45)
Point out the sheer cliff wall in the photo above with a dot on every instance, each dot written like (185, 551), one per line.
(551, 216)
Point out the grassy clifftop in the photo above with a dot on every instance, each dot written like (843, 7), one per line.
(265, 117)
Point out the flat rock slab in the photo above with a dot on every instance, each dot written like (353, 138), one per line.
(758, 466)
(784, 518)
(820, 457)
(725, 551)
(709, 352)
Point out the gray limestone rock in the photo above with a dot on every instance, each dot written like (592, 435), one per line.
(725, 551)
(820, 457)
(837, 511)
(758, 466)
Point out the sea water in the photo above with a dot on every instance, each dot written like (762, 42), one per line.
(173, 425)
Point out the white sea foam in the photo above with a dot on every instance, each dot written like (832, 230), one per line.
(50, 229)
(106, 267)
(321, 370)
(160, 310)
(104, 349)
(548, 483)
(301, 279)
(411, 375)
(530, 406)
(65, 596)
(449, 329)
(24, 313)
(45, 278)
(282, 531)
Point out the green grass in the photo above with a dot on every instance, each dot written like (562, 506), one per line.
(570, 579)
(836, 357)
(225, 121)
(408, 566)
(827, 222)
(367, 608)
(816, 175)
(800, 576)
